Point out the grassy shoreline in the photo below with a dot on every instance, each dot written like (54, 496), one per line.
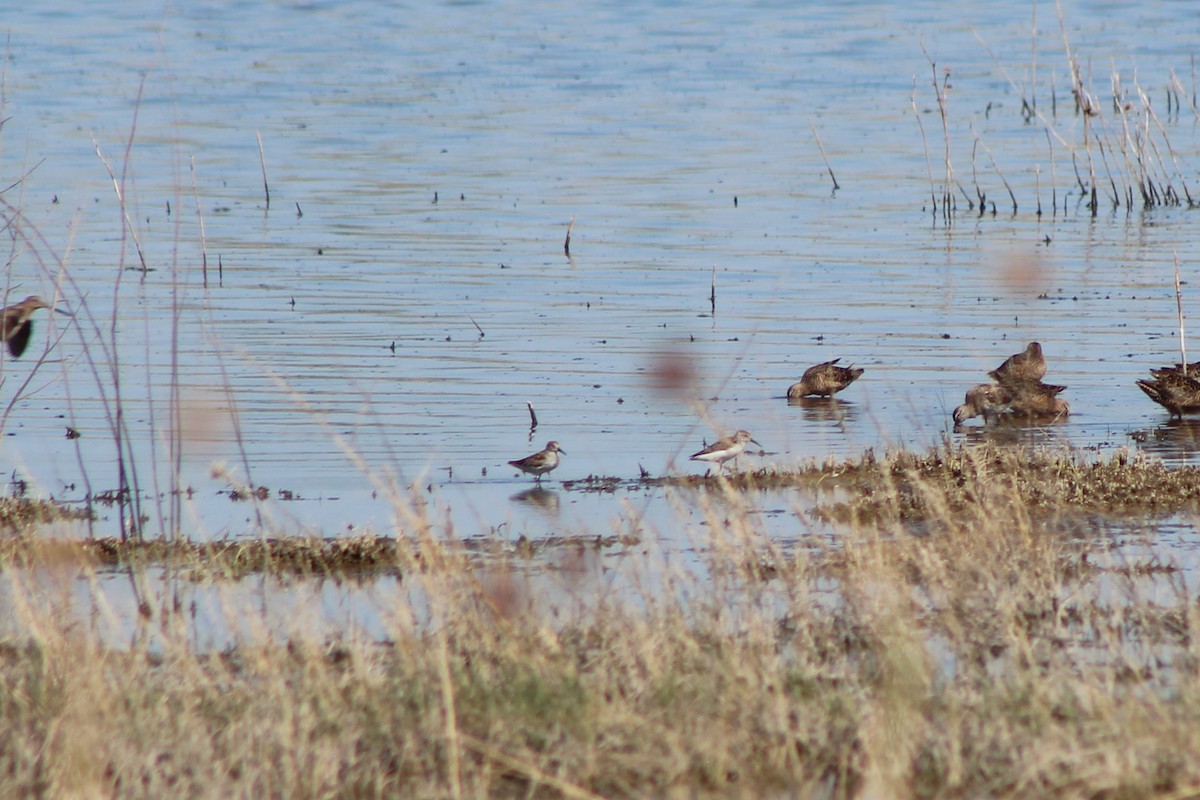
(995, 653)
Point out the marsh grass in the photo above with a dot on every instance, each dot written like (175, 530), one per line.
(1120, 149)
(991, 644)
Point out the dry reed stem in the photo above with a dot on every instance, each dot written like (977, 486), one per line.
(1179, 310)
(824, 157)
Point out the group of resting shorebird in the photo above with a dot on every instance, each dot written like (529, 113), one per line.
(1016, 390)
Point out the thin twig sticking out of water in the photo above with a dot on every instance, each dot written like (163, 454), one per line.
(532, 417)
(121, 202)
(820, 147)
(912, 98)
(567, 241)
(975, 178)
(1053, 182)
(200, 217)
(939, 91)
(996, 167)
(1031, 108)
(1085, 106)
(262, 160)
(1037, 187)
(1179, 307)
(1181, 92)
(712, 294)
(1170, 150)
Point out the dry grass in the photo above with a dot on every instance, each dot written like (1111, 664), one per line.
(996, 647)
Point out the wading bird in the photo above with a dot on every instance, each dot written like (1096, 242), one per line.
(724, 449)
(540, 462)
(987, 400)
(1037, 399)
(824, 380)
(1174, 391)
(1028, 365)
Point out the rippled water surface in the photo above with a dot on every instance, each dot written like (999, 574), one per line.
(406, 292)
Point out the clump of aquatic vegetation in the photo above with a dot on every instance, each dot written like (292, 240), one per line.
(1103, 139)
(955, 477)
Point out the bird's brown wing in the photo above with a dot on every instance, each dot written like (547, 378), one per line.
(20, 339)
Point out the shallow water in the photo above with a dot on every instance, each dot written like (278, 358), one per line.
(406, 292)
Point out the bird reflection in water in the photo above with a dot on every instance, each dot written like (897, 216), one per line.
(546, 500)
(825, 409)
(1174, 438)
(1010, 429)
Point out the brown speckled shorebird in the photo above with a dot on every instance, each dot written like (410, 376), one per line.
(724, 449)
(1037, 399)
(1028, 365)
(16, 325)
(1193, 369)
(1174, 391)
(540, 462)
(824, 380)
(988, 400)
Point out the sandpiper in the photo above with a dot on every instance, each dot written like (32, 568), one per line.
(540, 462)
(824, 380)
(1037, 399)
(16, 325)
(1174, 391)
(988, 400)
(1028, 365)
(724, 449)
(1193, 369)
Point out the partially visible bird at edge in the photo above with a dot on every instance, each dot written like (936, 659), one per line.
(1173, 390)
(16, 323)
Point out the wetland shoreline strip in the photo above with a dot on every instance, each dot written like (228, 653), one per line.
(902, 487)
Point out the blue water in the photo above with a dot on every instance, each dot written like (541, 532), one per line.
(385, 320)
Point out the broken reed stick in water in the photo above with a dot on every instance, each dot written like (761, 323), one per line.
(712, 295)
(567, 241)
(1179, 308)
(532, 417)
(820, 147)
(262, 161)
(200, 219)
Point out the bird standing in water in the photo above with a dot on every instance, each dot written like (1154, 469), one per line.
(1028, 365)
(1037, 399)
(540, 462)
(1173, 390)
(824, 380)
(724, 449)
(988, 400)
